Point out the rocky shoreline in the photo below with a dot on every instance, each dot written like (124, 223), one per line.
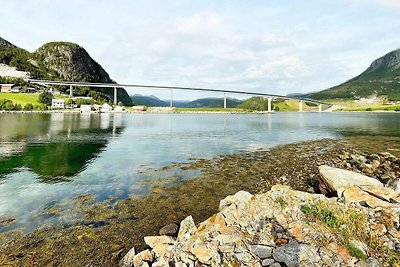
(358, 226)
(110, 229)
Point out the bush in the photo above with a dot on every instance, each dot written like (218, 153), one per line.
(368, 109)
(45, 98)
(28, 107)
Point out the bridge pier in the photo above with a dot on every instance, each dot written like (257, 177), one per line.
(224, 100)
(300, 105)
(170, 101)
(319, 107)
(71, 95)
(115, 96)
(269, 104)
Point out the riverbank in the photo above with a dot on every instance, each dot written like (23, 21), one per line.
(110, 229)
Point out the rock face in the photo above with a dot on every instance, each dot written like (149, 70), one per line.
(282, 227)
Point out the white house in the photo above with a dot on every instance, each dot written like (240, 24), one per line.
(85, 108)
(58, 103)
(106, 108)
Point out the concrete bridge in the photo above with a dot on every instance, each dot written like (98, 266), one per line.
(115, 86)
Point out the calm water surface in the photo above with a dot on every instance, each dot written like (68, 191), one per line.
(46, 159)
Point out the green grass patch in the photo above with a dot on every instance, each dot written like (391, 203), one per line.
(281, 202)
(356, 252)
(375, 108)
(21, 98)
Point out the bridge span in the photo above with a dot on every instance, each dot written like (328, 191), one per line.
(115, 86)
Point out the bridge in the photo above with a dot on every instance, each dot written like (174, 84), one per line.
(115, 86)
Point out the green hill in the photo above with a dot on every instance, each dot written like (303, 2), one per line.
(148, 101)
(213, 102)
(62, 61)
(382, 78)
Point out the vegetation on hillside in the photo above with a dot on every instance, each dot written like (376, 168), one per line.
(61, 61)
(381, 78)
(255, 103)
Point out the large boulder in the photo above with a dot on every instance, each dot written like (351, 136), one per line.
(334, 181)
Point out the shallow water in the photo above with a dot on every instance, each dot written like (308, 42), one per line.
(46, 159)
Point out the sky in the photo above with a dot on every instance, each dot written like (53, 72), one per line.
(268, 46)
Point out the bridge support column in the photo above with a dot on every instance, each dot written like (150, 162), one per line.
(224, 100)
(319, 107)
(115, 96)
(300, 105)
(170, 101)
(71, 95)
(269, 104)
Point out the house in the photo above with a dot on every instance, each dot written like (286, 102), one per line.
(119, 109)
(58, 103)
(9, 88)
(85, 108)
(106, 108)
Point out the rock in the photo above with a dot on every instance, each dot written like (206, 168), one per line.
(142, 257)
(261, 251)
(7, 220)
(163, 250)
(127, 260)
(334, 180)
(267, 262)
(152, 241)
(372, 262)
(379, 229)
(356, 195)
(186, 228)
(288, 254)
(276, 264)
(170, 229)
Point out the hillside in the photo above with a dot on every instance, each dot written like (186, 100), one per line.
(212, 102)
(382, 78)
(61, 61)
(148, 101)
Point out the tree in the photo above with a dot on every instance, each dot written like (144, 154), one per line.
(28, 106)
(45, 98)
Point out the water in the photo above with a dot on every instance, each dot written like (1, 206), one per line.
(46, 159)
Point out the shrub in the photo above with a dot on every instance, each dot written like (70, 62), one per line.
(45, 98)
(28, 107)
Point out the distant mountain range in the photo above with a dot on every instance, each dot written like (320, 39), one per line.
(61, 61)
(211, 102)
(382, 78)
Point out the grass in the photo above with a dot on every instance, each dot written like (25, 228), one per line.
(348, 224)
(281, 202)
(21, 98)
(209, 110)
(357, 105)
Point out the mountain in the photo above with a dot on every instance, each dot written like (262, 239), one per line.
(62, 61)
(213, 102)
(149, 101)
(382, 78)
(5, 43)
(255, 103)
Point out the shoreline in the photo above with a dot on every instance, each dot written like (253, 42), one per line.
(109, 229)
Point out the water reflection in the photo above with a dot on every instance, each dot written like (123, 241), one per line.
(54, 146)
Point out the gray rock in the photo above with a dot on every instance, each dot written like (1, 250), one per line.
(276, 264)
(261, 251)
(288, 254)
(267, 262)
(170, 229)
(372, 262)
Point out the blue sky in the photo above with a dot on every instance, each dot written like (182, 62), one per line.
(271, 46)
